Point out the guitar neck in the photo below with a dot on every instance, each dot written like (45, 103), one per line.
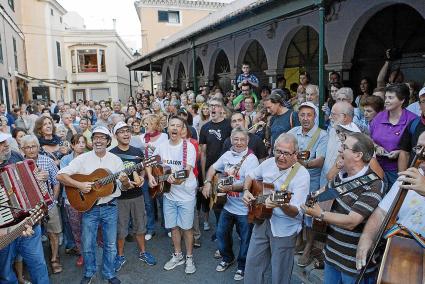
(115, 176)
(165, 177)
(15, 233)
(262, 198)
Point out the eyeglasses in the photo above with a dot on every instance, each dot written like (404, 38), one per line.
(422, 102)
(417, 149)
(336, 114)
(345, 147)
(99, 138)
(30, 148)
(341, 135)
(213, 106)
(279, 153)
(123, 131)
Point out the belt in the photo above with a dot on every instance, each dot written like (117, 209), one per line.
(110, 203)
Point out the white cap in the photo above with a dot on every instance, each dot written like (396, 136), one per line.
(422, 91)
(352, 127)
(119, 125)
(308, 104)
(4, 136)
(103, 130)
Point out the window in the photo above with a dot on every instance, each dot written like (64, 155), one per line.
(60, 20)
(12, 4)
(58, 53)
(15, 53)
(74, 69)
(102, 60)
(172, 17)
(1, 51)
(87, 60)
(51, 12)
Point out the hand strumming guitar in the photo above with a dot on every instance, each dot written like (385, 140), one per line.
(247, 197)
(85, 187)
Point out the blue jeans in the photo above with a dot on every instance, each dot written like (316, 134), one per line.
(390, 178)
(68, 237)
(225, 239)
(334, 276)
(150, 214)
(31, 250)
(107, 218)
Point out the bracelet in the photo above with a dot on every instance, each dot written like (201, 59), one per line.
(322, 216)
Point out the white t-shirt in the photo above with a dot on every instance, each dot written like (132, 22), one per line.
(226, 164)
(88, 162)
(281, 224)
(162, 138)
(172, 155)
(412, 212)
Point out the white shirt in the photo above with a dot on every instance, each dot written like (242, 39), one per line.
(226, 164)
(163, 138)
(88, 162)
(172, 155)
(412, 212)
(281, 224)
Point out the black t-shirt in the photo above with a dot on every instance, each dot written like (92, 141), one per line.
(130, 157)
(408, 141)
(213, 135)
(255, 144)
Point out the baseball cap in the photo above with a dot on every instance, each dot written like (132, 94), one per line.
(422, 92)
(308, 104)
(351, 127)
(4, 136)
(101, 129)
(119, 125)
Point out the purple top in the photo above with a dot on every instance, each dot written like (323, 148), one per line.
(388, 135)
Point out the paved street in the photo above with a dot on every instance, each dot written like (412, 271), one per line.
(134, 271)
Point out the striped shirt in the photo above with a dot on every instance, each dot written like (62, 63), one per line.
(341, 244)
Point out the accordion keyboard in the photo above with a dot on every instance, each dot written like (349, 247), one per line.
(6, 216)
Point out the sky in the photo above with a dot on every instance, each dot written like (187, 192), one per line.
(98, 14)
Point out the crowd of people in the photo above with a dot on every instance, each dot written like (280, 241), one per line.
(367, 132)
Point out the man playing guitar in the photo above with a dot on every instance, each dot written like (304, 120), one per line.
(179, 203)
(30, 247)
(105, 211)
(235, 163)
(273, 241)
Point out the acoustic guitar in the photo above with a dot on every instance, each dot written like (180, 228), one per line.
(218, 197)
(15, 231)
(103, 184)
(161, 174)
(257, 209)
(318, 226)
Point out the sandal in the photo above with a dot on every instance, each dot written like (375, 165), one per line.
(304, 261)
(56, 266)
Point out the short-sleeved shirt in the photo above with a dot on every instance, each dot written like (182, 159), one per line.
(282, 123)
(281, 224)
(47, 164)
(250, 77)
(130, 158)
(388, 135)
(255, 144)
(318, 150)
(89, 162)
(225, 164)
(341, 244)
(172, 155)
(411, 212)
(213, 135)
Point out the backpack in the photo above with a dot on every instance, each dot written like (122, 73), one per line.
(413, 125)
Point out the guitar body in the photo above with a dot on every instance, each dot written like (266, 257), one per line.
(84, 201)
(318, 226)
(258, 212)
(403, 262)
(217, 198)
(160, 170)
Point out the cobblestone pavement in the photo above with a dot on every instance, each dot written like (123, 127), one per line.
(134, 271)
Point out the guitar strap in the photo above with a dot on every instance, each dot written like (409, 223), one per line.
(290, 176)
(313, 139)
(184, 154)
(239, 165)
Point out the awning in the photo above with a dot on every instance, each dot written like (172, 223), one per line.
(44, 82)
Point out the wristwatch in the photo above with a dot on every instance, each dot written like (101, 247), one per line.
(207, 181)
(322, 216)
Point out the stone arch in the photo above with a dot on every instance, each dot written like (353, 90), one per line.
(168, 80)
(220, 70)
(300, 52)
(367, 54)
(180, 77)
(254, 53)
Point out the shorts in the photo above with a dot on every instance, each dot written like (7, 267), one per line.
(54, 224)
(179, 213)
(133, 208)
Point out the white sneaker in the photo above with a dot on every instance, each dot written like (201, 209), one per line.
(206, 226)
(190, 265)
(148, 237)
(176, 260)
(44, 238)
(239, 275)
(169, 234)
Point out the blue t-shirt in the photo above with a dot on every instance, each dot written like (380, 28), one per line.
(282, 123)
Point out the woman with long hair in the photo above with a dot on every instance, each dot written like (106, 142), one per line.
(204, 115)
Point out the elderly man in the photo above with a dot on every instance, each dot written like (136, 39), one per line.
(69, 125)
(351, 210)
(48, 173)
(30, 248)
(236, 162)
(314, 140)
(105, 211)
(273, 241)
(414, 181)
(345, 94)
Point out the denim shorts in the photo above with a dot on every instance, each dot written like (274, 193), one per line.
(179, 213)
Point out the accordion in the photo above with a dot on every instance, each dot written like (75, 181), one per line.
(20, 192)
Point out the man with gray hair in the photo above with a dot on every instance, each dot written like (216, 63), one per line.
(273, 241)
(345, 94)
(236, 163)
